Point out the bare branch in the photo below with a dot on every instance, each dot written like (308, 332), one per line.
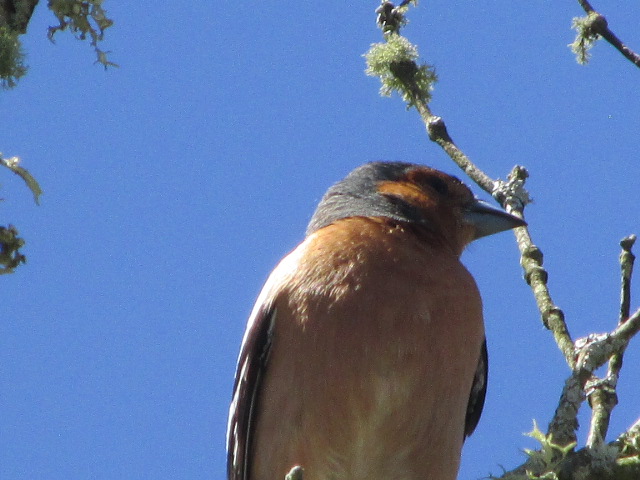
(536, 276)
(627, 258)
(602, 392)
(437, 131)
(602, 398)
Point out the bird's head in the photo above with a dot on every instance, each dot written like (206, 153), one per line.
(436, 204)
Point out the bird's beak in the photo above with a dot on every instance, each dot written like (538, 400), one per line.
(488, 220)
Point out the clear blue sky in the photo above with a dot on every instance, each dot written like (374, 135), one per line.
(175, 183)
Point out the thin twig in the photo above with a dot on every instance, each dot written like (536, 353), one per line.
(586, 5)
(437, 131)
(594, 350)
(536, 276)
(531, 256)
(627, 258)
(602, 393)
(583, 356)
(632, 432)
(602, 398)
(624, 332)
(564, 424)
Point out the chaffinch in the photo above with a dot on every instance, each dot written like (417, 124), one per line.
(364, 357)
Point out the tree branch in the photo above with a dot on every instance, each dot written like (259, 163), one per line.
(557, 458)
(405, 82)
(592, 26)
(602, 392)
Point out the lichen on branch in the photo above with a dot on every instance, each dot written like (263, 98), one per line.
(85, 18)
(394, 62)
(12, 163)
(587, 29)
(590, 29)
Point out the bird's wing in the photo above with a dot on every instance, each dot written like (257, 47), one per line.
(252, 364)
(478, 392)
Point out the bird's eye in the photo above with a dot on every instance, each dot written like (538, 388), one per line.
(438, 184)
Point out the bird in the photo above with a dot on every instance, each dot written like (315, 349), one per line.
(364, 357)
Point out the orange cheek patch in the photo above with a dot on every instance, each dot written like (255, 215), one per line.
(409, 192)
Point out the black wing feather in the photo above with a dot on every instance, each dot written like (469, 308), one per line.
(478, 392)
(251, 365)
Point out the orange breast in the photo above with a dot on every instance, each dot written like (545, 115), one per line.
(375, 345)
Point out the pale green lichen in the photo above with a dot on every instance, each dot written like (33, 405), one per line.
(394, 62)
(544, 462)
(586, 28)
